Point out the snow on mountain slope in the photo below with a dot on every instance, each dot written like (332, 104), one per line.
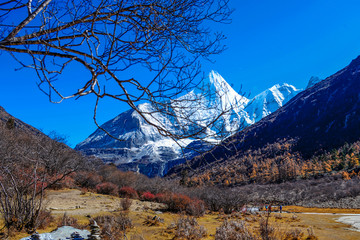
(131, 128)
(229, 101)
(269, 101)
(142, 148)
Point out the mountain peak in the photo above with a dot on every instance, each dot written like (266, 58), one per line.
(224, 90)
(313, 80)
(317, 120)
(269, 101)
(143, 147)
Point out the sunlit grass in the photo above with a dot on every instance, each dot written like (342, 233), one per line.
(324, 226)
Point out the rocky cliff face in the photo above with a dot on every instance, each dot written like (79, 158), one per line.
(142, 148)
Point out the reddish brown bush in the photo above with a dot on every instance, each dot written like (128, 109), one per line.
(178, 202)
(107, 188)
(87, 179)
(147, 196)
(196, 208)
(162, 197)
(181, 203)
(128, 192)
(66, 182)
(44, 219)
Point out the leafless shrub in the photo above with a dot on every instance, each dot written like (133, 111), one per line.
(311, 235)
(114, 227)
(293, 234)
(228, 200)
(44, 219)
(125, 203)
(267, 230)
(196, 208)
(188, 228)
(29, 164)
(68, 221)
(234, 230)
(88, 180)
(237, 215)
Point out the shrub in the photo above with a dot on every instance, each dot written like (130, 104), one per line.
(84, 191)
(188, 228)
(178, 202)
(44, 219)
(125, 203)
(181, 203)
(162, 197)
(233, 230)
(128, 192)
(68, 221)
(107, 188)
(66, 182)
(87, 179)
(147, 196)
(267, 231)
(196, 208)
(311, 235)
(114, 227)
(294, 234)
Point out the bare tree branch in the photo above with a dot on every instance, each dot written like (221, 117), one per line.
(110, 40)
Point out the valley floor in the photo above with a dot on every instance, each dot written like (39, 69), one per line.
(324, 222)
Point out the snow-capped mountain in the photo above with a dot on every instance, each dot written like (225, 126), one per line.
(323, 117)
(142, 148)
(269, 101)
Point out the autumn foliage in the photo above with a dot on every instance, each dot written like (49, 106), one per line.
(107, 188)
(128, 192)
(181, 203)
(147, 196)
(277, 163)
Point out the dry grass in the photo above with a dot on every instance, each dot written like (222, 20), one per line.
(299, 209)
(324, 226)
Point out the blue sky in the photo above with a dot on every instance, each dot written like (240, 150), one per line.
(268, 42)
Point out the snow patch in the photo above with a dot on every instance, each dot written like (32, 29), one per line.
(61, 233)
(353, 220)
